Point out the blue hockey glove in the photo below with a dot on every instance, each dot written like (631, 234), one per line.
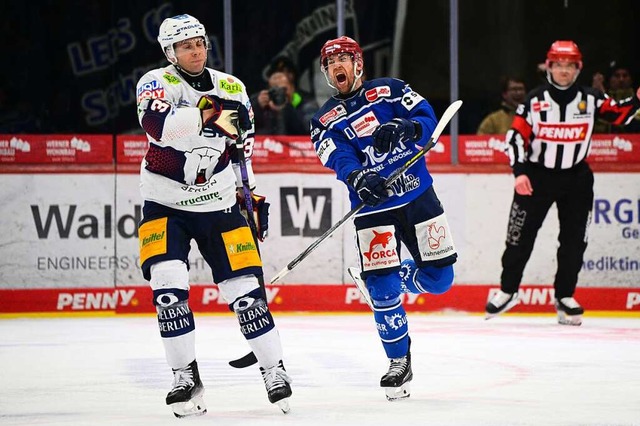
(369, 186)
(229, 117)
(387, 136)
(260, 212)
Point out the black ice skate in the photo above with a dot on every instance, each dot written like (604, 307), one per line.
(362, 287)
(276, 381)
(499, 303)
(396, 381)
(185, 398)
(569, 311)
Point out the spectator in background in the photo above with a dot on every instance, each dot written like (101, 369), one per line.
(498, 122)
(279, 110)
(620, 86)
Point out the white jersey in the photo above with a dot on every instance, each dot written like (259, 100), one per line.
(182, 168)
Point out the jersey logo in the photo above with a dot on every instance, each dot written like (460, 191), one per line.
(324, 150)
(333, 114)
(231, 86)
(171, 79)
(377, 92)
(541, 106)
(365, 125)
(150, 90)
(563, 132)
(153, 238)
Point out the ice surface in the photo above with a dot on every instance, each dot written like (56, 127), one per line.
(511, 370)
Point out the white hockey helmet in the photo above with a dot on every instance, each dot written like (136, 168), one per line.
(179, 28)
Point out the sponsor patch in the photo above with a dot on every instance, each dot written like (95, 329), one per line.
(434, 238)
(334, 113)
(231, 86)
(410, 100)
(241, 249)
(150, 90)
(378, 248)
(324, 150)
(365, 125)
(152, 238)
(563, 132)
(377, 92)
(171, 79)
(541, 106)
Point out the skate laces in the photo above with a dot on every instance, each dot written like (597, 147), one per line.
(183, 378)
(398, 365)
(275, 377)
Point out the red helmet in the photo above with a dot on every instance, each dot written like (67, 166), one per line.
(564, 50)
(340, 45)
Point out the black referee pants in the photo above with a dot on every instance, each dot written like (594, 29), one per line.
(572, 191)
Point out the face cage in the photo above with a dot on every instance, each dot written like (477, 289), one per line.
(357, 76)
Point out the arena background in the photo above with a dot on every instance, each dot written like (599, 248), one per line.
(69, 152)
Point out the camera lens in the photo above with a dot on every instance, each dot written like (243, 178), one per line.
(278, 95)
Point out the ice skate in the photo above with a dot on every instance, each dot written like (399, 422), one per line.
(499, 303)
(355, 276)
(396, 381)
(569, 311)
(276, 380)
(185, 398)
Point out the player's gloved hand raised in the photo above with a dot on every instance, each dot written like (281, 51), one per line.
(387, 136)
(223, 117)
(260, 212)
(369, 186)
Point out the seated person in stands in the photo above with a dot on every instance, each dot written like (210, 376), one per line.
(499, 121)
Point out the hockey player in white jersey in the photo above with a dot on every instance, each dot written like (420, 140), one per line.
(194, 116)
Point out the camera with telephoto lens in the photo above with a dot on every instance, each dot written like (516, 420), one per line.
(278, 95)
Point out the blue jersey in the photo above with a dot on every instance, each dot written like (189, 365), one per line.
(341, 134)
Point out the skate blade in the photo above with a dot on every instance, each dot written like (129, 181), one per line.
(506, 307)
(283, 404)
(401, 392)
(364, 293)
(194, 407)
(565, 319)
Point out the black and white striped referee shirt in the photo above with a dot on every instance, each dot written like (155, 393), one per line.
(553, 127)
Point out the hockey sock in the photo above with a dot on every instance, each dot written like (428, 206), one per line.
(427, 279)
(391, 321)
(258, 327)
(176, 324)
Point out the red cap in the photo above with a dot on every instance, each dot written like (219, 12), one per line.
(340, 45)
(564, 50)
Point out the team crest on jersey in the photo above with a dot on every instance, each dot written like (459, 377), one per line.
(150, 90)
(333, 114)
(541, 106)
(231, 86)
(365, 125)
(377, 92)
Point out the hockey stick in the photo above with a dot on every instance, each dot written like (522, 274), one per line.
(444, 120)
(250, 358)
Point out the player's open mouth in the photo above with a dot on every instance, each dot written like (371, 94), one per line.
(341, 77)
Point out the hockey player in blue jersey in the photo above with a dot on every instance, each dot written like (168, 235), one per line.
(363, 133)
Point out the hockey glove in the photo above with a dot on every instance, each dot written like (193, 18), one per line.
(260, 212)
(387, 136)
(369, 186)
(229, 117)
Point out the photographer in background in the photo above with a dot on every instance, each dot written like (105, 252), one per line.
(275, 112)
